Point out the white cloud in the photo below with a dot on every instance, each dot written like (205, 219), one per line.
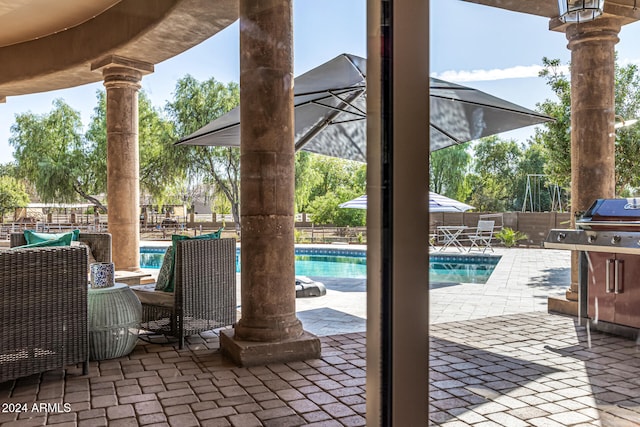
(517, 72)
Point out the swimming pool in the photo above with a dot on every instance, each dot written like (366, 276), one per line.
(352, 263)
(461, 268)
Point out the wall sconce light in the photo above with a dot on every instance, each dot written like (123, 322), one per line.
(580, 10)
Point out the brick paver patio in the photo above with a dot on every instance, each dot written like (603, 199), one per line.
(513, 366)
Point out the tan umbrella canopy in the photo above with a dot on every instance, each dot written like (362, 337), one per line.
(330, 113)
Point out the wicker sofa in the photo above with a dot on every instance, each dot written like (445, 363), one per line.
(100, 244)
(204, 295)
(43, 308)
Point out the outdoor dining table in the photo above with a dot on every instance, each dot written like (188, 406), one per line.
(451, 234)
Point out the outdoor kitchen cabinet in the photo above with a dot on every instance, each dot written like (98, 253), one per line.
(613, 288)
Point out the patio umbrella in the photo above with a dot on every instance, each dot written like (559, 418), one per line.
(437, 203)
(330, 113)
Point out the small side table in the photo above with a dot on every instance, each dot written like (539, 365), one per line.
(114, 315)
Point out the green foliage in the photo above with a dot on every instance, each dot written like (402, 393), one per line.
(306, 178)
(493, 183)
(325, 209)
(556, 136)
(331, 182)
(12, 195)
(447, 169)
(508, 237)
(52, 154)
(627, 101)
(162, 164)
(533, 161)
(195, 104)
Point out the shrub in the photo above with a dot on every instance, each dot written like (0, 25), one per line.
(510, 237)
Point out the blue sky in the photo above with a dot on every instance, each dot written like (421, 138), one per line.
(490, 49)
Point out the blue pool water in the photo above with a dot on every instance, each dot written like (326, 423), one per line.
(461, 268)
(353, 264)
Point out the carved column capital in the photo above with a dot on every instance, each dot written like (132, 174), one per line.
(600, 30)
(118, 71)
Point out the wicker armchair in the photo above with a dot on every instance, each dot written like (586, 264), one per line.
(100, 244)
(204, 296)
(43, 310)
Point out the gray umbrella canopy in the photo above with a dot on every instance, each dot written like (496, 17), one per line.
(330, 113)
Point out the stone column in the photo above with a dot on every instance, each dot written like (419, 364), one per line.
(268, 330)
(592, 46)
(122, 81)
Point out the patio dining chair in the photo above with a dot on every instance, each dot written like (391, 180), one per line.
(481, 239)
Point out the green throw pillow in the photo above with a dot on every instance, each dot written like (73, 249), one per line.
(62, 241)
(32, 237)
(165, 270)
(169, 258)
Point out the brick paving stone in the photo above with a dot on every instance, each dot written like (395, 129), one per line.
(338, 410)
(289, 421)
(124, 422)
(248, 408)
(183, 420)
(328, 423)
(271, 404)
(471, 417)
(155, 418)
(218, 422)
(506, 419)
(175, 393)
(202, 406)
(264, 396)
(490, 408)
(280, 412)
(316, 416)
(446, 404)
(182, 400)
(104, 401)
(69, 418)
(93, 422)
(215, 413)
(321, 398)
(244, 420)
(236, 400)
(568, 418)
(120, 411)
(177, 410)
(303, 405)
(92, 413)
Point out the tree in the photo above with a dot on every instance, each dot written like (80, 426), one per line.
(195, 104)
(627, 101)
(12, 195)
(52, 154)
(533, 161)
(337, 181)
(161, 164)
(306, 178)
(493, 183)
(556, 136)
(447, 168)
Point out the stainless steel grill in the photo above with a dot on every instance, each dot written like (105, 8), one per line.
(608, 234)
(609, 225)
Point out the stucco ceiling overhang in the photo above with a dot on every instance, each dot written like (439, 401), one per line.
(626, 10)
(55, 51)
